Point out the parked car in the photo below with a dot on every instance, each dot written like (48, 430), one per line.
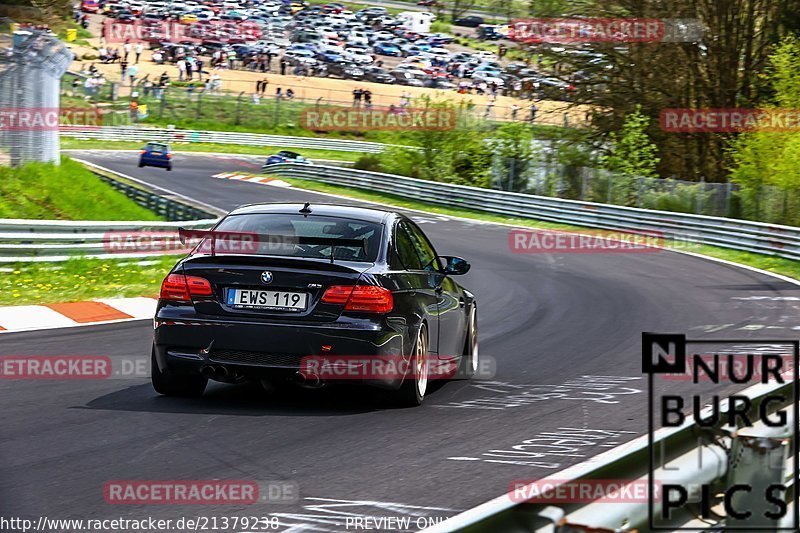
(471, 21)
(404, 77)
(378, 75)
(387, 49)
(346, 69)
(156, 154)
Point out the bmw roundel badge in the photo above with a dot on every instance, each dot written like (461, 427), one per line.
(266, 277)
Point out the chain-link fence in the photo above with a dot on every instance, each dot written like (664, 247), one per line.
(545, 175)
(31, 67)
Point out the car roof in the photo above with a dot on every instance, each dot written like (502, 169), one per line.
(345, 211)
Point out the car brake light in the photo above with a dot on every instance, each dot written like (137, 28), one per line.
(361, 298)
(144, 152)
(178, 287)
(169, 156)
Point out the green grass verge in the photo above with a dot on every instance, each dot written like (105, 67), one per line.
(778, 265)
(63, 192)
(70, 143)
(81, 279)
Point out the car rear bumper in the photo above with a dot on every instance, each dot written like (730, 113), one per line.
(154, 162)
(275, 350)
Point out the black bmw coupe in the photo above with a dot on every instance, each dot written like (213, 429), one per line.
(317, 294)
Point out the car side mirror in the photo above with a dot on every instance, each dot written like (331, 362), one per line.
(455, 266)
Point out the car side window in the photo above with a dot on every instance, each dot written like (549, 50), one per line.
(423, 247)
(406, 252)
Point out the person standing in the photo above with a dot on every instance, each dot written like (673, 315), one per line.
(534, 109)
(181, 64)
(123, 69)
(367, 98)
(264, 84)
(138, 50)
(357, 94)
(259, 86)
(132, 74)
(127, 50)
(283, 66)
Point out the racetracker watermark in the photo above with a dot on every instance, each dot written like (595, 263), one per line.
(333, 118)
(604, 30)
(197, 241)
(585, 242)
(750, 484)
(586, 30)
(21, 119)
(72, 367)
(222, 31)
(580, 491)
(729, 120)
(391, 367)
(199, 492)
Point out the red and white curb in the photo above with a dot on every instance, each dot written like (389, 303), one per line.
(72, 314)
(251, 178)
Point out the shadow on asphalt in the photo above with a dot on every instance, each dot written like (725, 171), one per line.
(250, 399)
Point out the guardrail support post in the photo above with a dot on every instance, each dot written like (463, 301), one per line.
(757, 461)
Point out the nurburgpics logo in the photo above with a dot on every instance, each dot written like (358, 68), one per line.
(736, 473)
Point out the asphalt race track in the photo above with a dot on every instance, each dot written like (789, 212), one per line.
(564, 331)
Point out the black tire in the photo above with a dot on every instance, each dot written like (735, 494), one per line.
(173, 385)
(412, 391)
(470, 359)
(169, 168)
(141, 165)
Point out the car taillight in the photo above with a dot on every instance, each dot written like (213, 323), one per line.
(169, 156)
(144, 152)
(360, 298)
(178, 287)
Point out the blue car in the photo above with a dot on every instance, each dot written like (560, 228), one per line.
(156, 155)
(285, 156)
(330, 57)
(386, 49)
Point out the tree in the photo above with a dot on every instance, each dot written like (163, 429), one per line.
(632, 153)
(722, 69)
(512, 146)
(459, 8)
(769, 162)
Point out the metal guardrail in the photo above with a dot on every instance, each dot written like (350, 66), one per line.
(24, 241)
(756, 237)
(160, 205)
(143, 134)
(690, 455)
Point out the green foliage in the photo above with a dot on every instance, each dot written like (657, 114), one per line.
(632, 152)
(369, 162)
(766, 165)
(681, 199)
(460, 155)
(512, 144)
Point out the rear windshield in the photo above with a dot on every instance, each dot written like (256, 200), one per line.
(157, 147)
(279, 233)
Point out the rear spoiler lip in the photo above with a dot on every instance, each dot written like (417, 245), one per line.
(185, 234)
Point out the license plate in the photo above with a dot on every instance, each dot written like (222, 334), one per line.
(278, 300)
